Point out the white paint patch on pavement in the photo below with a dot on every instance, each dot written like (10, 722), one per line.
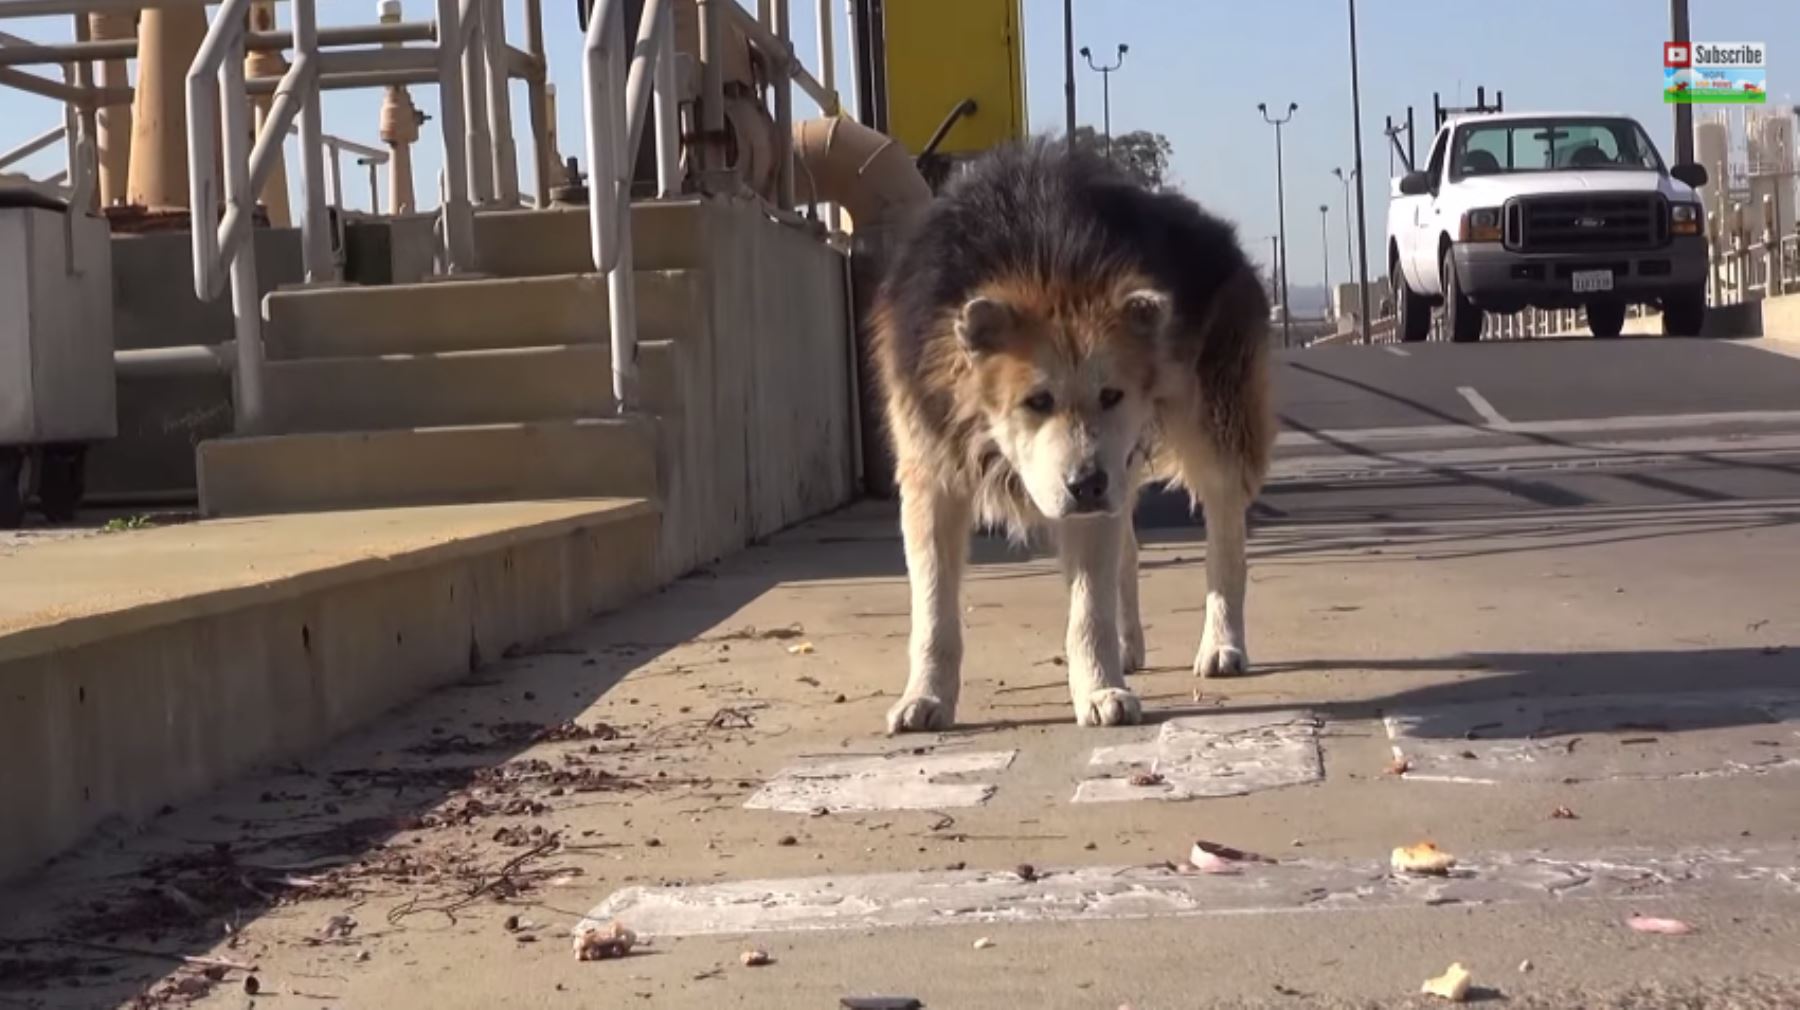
(1209, 755)
(1568, 426)
(1598, 738)
(1481, 406)
(1395, 351)
(900, 782)
(890, 900)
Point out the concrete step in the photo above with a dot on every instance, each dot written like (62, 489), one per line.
(666, 235)
(465, 315)
(428, 466)
(460, 388)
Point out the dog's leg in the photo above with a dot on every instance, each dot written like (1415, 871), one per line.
(1227, 504)
(1131, 622)
(1091, 557)
(935, 525)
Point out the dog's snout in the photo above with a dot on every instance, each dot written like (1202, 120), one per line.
(1089, 491)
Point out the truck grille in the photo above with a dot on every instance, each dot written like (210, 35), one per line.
(1586, 223)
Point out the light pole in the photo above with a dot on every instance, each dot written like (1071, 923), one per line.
(1684, 113)
(1362, 234)
(1069, 70)
(1325, 253)
(1281, 210)
(1275, 271)
(1106, 73)
(1349, 244)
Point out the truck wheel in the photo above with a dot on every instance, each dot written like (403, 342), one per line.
(1684, 313)
(62, 481)
(1606, 319)
(1461, 317)
(12, 491)
(1413, 313)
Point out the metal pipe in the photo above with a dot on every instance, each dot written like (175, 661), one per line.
(668, 108)
(39, 8)
(266, 153)
(112, 137)
(458, 220)
(1362, 237)
(776, 47)
(358, 61)
(352, 35)
(374, 168)
(90, 127)
(315, 233)
(376, 154)
(68, 94)
(30, 53)
(192, 359)
(784, 108)
(477, 143)
(202, 139)
(537, 102)
(334, 170)
(499, 103)
(711, 148)
(351, 82)
(246, 303)
(34, 145)
(603, 78)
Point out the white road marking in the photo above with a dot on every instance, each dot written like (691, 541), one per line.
(881, 783)
(1572, 426)
(1395, 351)
(890, 900)
(1591, 454)
(1213, 755)
(1600, 737)
(1482, 407)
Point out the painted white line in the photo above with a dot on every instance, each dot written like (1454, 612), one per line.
(1573, 426)
(1592, 455)
(891, 900)
(1600, 737)
(1213, 755)
(1482, 407)
(881, 783)
(1395, 351)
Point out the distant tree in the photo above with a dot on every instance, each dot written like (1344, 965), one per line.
(1143, 155)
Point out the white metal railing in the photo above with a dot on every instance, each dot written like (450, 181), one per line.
(617, 98)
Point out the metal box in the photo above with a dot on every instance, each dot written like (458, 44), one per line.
(56, 327)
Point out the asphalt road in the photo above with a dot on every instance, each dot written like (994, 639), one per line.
(1553, 626)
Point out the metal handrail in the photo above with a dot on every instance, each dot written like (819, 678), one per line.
(33, 146)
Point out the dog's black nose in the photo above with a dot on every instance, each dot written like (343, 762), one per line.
(1089, 491)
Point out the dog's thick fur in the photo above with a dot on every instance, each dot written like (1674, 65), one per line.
(1050, 337)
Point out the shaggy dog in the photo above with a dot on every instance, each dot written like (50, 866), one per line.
(1050, 337)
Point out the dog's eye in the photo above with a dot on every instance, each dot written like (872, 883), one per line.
(1040, 403)
(1110, 397)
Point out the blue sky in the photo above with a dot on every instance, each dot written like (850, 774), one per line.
(1195, 72)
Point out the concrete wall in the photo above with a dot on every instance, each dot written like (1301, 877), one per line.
(765, 435)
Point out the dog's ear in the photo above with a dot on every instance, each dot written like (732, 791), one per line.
(983, 324)
(1147, 312)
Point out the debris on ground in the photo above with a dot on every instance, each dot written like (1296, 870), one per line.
(801, 649)
(787, 840)
(755, 958)
(252, 985)
(1525, 965)
(1211, 857)
(1563, 814)
(730, 718)
(1664, 927)
(338, 927)
(1452, 985)
(1147, 778)
(1399, 766)
(983, 943)
(1424, 858)
(1026, 872)
(601, 943)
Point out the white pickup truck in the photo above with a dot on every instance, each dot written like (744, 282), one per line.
(1552, 210)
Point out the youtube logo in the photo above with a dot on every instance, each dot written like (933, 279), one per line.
(1677, 54)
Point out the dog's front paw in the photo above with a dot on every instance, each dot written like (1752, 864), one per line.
(920, 714)
(1109, 706)
(1224, 661)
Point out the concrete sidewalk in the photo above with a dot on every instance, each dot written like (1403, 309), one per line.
(708, 765)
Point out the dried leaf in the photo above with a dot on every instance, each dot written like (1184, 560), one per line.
(1150, 778)
(1664, 927)
(1563, 814)
(1452, 985)
(1424, 857)
(1211, 857)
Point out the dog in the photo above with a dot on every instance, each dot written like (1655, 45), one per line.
(1050, 336)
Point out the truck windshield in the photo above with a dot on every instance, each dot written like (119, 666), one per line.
(1551, 145)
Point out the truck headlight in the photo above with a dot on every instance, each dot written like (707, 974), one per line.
(1481, 225)
(1684, 219)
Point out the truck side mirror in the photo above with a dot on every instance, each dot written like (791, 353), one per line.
(1415, 183)
(1690, 173)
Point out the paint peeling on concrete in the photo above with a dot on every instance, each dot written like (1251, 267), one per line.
(1211, 755)
(891, 900)
(1599, 738)
(899, 782)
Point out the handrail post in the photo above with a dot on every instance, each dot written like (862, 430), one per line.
(315, 234)
(246, 303)
(477, 143)
(458, 216)
(710, 150)
(334, 170)
(668, 124)
(499, 103)
(537, 96)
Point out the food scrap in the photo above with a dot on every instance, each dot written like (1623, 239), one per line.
(1424, 857)
(1211, 857)
(755, 958)
(1452, 985)
(1149, 778)
(984, 943)
(1665, 927)
(600, 943)
(800, 649)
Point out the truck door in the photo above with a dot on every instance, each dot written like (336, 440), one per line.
(1426, 222)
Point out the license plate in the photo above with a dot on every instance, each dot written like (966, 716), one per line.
(1592, 280)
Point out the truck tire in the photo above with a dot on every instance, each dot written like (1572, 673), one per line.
(1606, 319)
(1412, 313)
(1461, 318)
(12, 490)
(62, 481)
(1684, 313)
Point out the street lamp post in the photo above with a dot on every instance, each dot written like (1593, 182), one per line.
(1349, 241)
(1325, 253)
(1281, 211)
(1275, 270)
(1106, 73)
(1069, 69)
(1362, 235)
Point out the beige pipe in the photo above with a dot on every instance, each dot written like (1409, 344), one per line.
(269, 63)
(168, 40)
(869, 174)
(113, 122)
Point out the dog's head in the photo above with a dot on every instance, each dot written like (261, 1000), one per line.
(1067, 384)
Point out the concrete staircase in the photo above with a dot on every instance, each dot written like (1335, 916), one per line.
(473, 390)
